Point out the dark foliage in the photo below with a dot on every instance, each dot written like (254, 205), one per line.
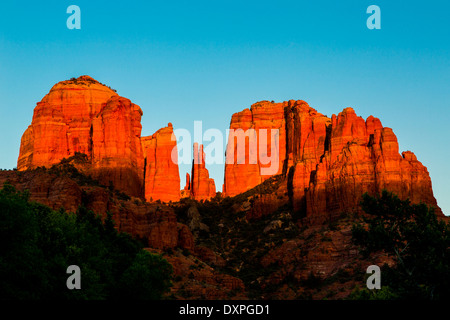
(415, 238)
(37, 245)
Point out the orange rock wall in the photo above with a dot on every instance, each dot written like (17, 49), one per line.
(116, 147)
(329, 163)
(83, 115)
(363, 157)
(262, 115)
(62, 122)
(162, 179)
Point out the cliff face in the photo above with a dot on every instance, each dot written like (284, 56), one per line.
(116, 146)
(243, 167)
(162, 179)
(361, 156)
(83, 115)
(62, 122)
(328, 163)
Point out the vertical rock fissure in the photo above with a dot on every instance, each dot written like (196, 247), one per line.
(91, 142)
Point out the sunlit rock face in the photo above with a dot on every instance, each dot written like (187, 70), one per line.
(84, 116)
(162, 179)
(328, 162)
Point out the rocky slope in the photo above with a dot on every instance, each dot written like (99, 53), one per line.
(156, 225)
(219, 248)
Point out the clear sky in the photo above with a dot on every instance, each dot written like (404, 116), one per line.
(183, 61)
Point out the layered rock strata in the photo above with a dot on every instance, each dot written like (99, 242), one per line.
(328, 162)
(84, 116)
(162, 179)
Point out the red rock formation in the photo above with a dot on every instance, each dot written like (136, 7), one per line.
(62, 122)
(243, 166)
(201, 186)
(82, 115)
(188, 182)
(186, 191)
(116, 146)
(323, 253)
(364, 157)
(49, 189)
(301, 137)
(328, 163)
(162, 179)
(165, 232)
(201, 281)
(207, 255)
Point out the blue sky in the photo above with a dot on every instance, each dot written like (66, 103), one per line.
(183, 61)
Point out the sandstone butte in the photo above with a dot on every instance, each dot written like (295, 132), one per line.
(199, 185)
(328, 163)
(84, 116)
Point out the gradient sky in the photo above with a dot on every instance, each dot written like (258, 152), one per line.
(182, 61)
